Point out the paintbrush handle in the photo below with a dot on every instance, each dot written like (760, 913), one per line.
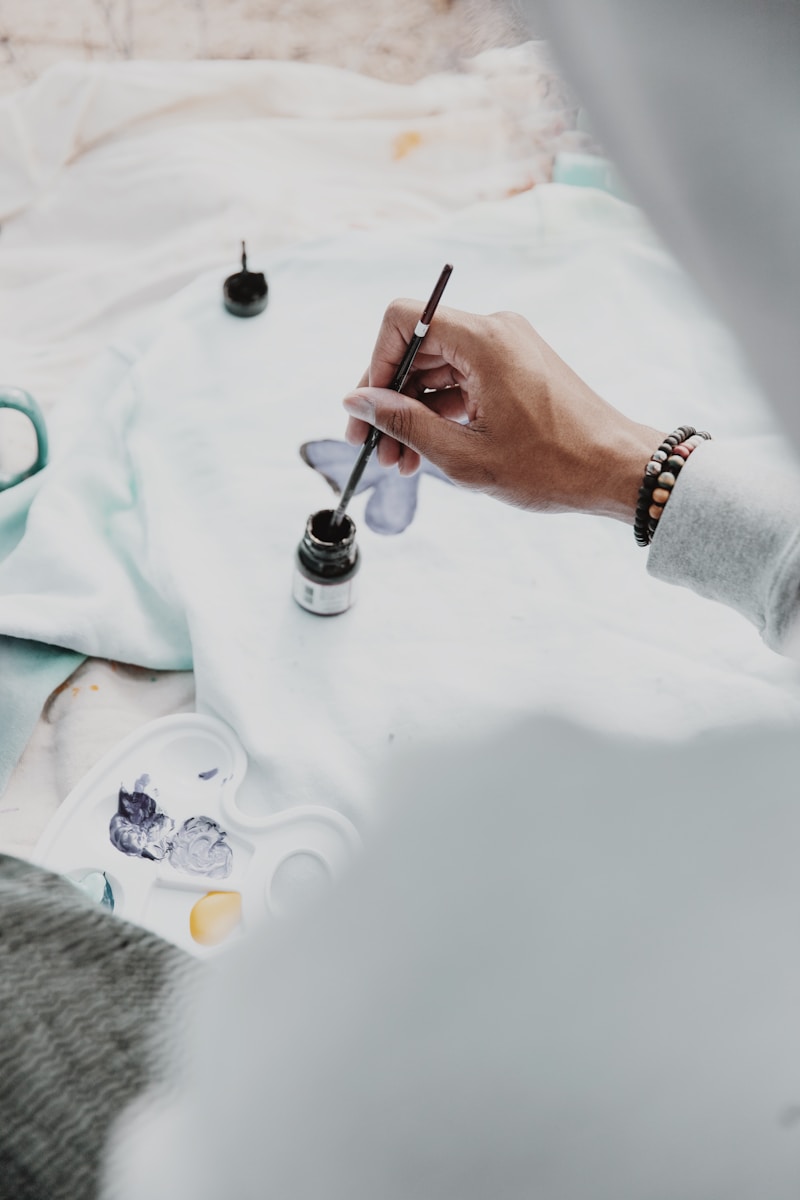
(374, 436)
(397, 385)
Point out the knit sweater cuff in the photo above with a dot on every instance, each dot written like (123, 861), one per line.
(731, 531)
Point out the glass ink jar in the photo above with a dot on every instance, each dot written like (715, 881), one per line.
(326, 565)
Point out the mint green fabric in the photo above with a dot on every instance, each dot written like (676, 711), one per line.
(15, 504)
(29, 670)
(70, 541)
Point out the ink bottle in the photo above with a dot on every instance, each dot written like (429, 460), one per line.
(326, 565)
(245, 293)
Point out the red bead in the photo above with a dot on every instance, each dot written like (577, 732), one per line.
(684, 451)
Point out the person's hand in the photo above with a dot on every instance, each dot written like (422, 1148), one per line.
(497, 410)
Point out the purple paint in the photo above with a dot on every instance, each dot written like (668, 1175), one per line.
(208, 774)
(140, 829)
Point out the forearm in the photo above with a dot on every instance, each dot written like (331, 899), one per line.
(731, 531)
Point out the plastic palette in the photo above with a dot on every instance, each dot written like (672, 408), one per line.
(195, 766)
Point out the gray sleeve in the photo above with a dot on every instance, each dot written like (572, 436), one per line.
(731, 531)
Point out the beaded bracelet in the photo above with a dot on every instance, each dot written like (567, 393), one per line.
(660, 476)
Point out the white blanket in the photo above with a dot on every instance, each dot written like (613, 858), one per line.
(120, 184)
(164, 532)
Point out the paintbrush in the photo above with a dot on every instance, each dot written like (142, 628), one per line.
(397, 385)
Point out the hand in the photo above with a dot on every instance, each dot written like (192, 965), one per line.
(497, 410)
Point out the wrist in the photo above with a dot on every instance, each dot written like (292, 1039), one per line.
(620, 469)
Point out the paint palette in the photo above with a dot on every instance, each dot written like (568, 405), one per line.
(154, 831)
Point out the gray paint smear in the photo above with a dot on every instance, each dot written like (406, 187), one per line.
(139, 828)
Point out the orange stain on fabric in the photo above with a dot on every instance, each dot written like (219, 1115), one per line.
(525, 186)
(214, 917)
(75, 691)
(94, 688)
(404, 143)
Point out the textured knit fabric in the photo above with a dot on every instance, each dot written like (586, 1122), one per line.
(731, 531)
(81, 994)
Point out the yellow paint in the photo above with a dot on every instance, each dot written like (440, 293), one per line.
(94, 688)
(405, 142)
(214, 917)
(75, 691)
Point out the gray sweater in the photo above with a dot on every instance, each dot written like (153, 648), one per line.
(82, 998)
(731, 531)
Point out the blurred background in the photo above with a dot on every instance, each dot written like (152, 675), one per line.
(399, 42)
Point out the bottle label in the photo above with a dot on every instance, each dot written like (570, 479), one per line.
(324, 599)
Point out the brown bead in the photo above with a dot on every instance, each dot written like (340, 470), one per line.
(660, 495)
(655, 511)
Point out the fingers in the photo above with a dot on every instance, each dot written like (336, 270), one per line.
(415, 425)
(449, 403)
(433, 378)
(390, 452)
(357, 431)
(444, 342)
(435, 382)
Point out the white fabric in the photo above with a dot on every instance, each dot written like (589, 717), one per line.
(164, 533)
(120, 184)
(598, 990)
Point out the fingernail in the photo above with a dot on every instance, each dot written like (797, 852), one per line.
(359, 406)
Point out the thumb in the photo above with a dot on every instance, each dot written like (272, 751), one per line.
(413, 424)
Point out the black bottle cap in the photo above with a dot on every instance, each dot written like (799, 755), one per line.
(245, 293)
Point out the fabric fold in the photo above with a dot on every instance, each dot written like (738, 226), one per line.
(29, 672)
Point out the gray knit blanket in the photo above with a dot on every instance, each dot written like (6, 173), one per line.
(82, 999)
